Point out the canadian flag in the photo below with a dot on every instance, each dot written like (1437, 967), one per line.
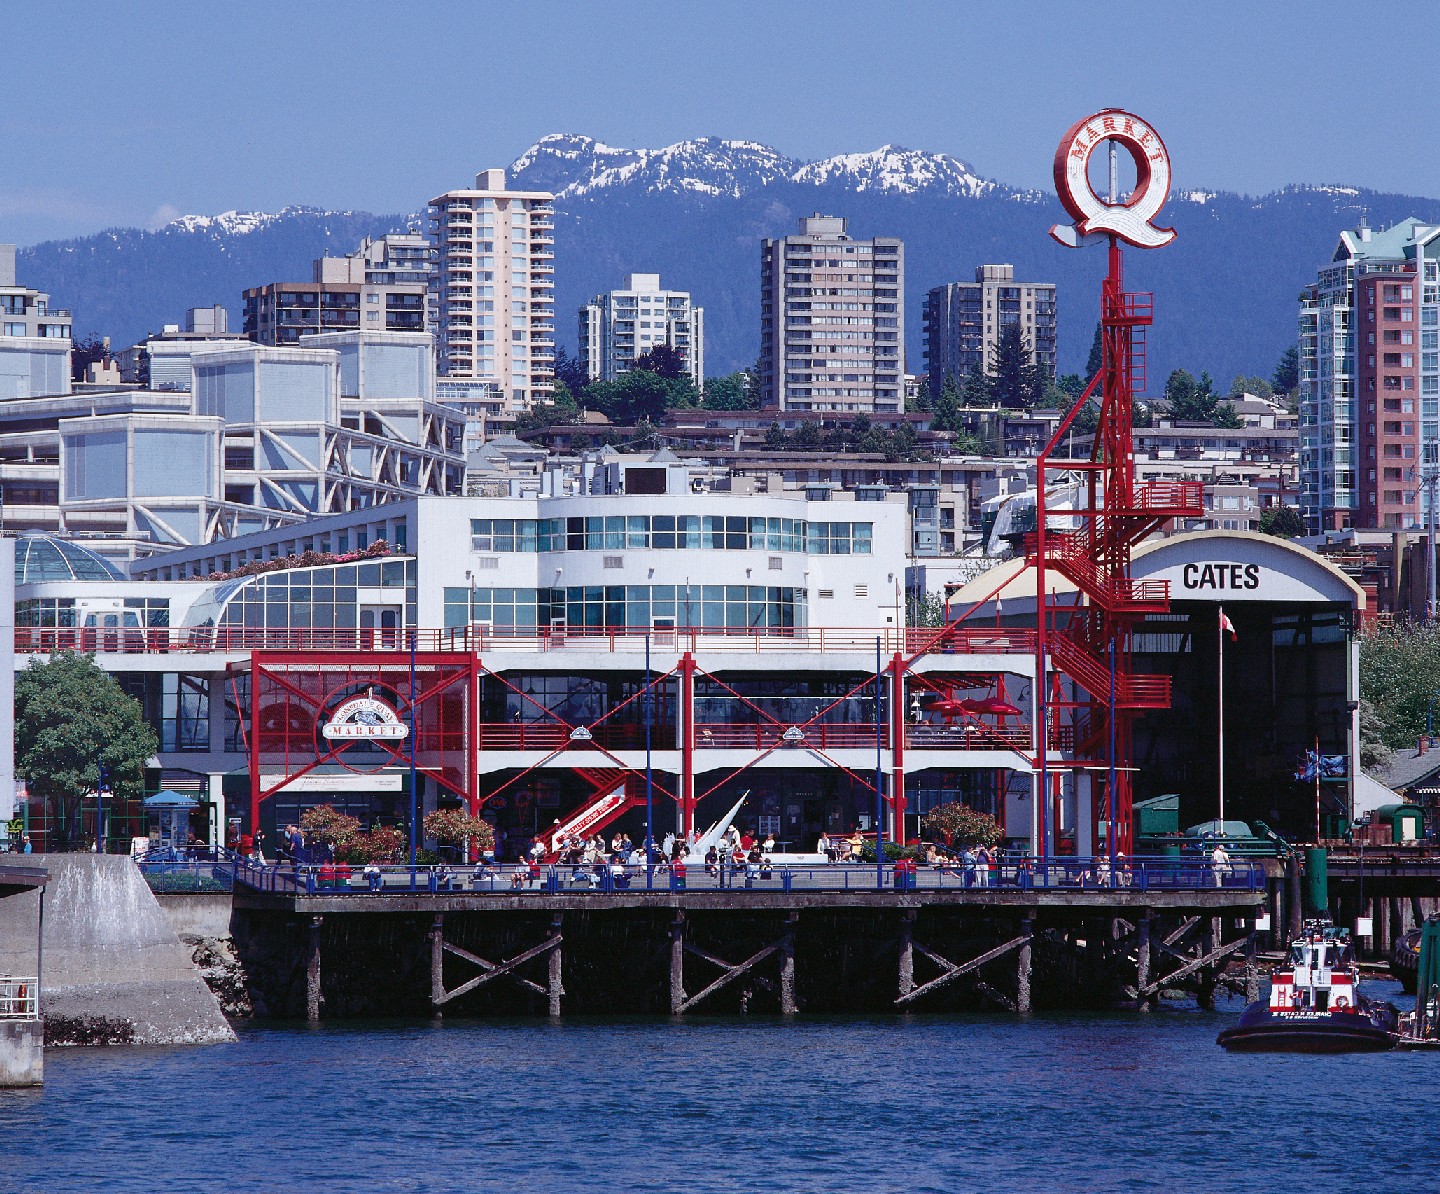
(1227, 625)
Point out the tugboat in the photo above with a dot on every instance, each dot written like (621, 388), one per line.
(1315, 1004)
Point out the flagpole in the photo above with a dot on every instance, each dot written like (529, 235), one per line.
(1319, 767)
(1220, 632)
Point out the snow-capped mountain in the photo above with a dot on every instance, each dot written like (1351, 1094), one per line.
(697, 210)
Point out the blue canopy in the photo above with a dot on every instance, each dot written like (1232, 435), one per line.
(169, 799)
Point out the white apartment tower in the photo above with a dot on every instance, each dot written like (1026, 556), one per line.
(832, 319)
(618, 327)
(495, 289)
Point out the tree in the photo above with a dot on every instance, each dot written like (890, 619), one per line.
(1071, 383)
(1243, 385)
(976, 391)
(1286, 378)
(961, 825)
(455, 826)
(571, 370)
(1011, 377)
(729, 392)
(72, 718)
(946, 416)
(1194, 401)
(635, 395)
(89, 351)
(664, 360)
(1399, 675)
(1096, 360)
(1284, 522)
(327, 824)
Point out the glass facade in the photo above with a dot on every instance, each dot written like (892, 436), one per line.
(331, 597)
(629, 607)
(39, 557)
(671, 532)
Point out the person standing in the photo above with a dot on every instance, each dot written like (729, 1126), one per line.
(1219, 864)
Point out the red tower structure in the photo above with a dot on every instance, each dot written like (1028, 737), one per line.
(1092, 644)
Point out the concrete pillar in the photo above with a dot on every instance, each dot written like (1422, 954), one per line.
(437, 963)
(1397, 918)
(1142, 961)
(677, 962)
(1022, 967)
(1382, 926)
(22, 1053)
(313, 998)
(907, 952)
(556, 988)
(788, 1006)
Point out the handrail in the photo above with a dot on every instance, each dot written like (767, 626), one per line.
(1015, 872)
(44, 640)
(19, 997)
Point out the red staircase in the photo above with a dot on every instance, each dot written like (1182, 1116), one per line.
(617, 790)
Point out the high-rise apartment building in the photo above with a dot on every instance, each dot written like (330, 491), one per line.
(25, 312)
(832, 320)
(382, 287)
(963, 322)
(1370, 379)
(618, 327)
(495, 289)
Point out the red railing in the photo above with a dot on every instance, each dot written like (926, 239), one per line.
(548, 736)
(968, 736)
(32, 640)
(764, 736)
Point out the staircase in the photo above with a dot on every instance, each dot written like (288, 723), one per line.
(615, 793)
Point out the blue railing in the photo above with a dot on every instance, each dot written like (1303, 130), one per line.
(199, 869)
(1012, 874)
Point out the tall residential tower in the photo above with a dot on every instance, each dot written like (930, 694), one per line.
(1370, 379)
(963, 322)
(832, 320)
(495, 290)
(617, 327)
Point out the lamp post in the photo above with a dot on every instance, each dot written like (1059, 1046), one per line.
(413, 768)
(101, 786)
(649, 779)
(879, 780)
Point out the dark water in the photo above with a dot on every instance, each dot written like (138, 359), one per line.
(1077, 1103)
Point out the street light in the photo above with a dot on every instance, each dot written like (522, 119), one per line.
(102, 785)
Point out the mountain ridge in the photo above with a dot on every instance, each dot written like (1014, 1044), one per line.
(695, 212)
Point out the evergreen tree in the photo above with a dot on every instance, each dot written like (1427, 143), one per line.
(1096, 358)
(947, 408)
(1012, 376)
(976, 391)
(664, 360)
(571, 370)
(1286, 378)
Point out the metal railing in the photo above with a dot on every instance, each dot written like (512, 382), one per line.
(1013, 873)
(204, 640)
(205, 868)
(19, 997)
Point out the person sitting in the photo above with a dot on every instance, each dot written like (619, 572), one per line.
(768, 845)
(752, 864)
(746, 841)
(854, 844)
(372, 875)
(518, 877)
(767, 868)
(712, 861)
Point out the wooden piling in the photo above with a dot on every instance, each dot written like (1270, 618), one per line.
(1142, 961)
(788, 1006)
(555, 987)
(313, 998)
(677, 962)
(1022, 966)
(907, 952)
(1252, 974)
(437, 964)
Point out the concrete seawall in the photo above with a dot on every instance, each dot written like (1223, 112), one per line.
(112, 955)
(197, 913)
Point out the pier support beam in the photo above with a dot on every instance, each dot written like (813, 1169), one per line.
(1022, 967)
(1252, 975)
(555, 987)
(437, 964)
(313, 997)
(1205, 976)
(788, 1006)
(677, 963)
(907, 952)
(1142, 962)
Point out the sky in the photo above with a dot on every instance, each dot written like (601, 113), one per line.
(132, 113)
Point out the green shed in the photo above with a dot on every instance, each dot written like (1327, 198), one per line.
(1158, 815)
